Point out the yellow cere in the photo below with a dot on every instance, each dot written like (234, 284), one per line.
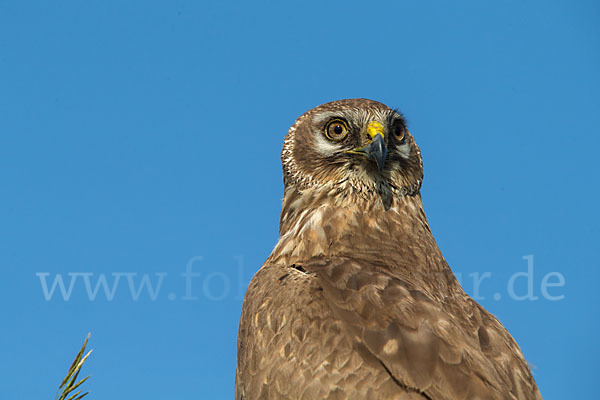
(375, 128)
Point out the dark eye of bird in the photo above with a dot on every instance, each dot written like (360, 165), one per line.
(336, 130)
(399, 132)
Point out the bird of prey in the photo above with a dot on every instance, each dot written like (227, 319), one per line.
(356, 300)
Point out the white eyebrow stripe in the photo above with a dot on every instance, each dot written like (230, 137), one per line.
(321, 117)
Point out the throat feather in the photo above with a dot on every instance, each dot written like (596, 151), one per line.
(321, 223)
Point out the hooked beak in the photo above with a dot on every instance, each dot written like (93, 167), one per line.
(376, 150)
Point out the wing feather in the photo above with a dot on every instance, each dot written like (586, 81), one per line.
(343, 328)
(447, 349)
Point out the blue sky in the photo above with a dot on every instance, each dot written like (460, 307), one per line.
(141, 138)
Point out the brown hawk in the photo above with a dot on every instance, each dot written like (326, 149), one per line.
(356, 301)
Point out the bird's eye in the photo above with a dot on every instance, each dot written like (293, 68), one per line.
(398, 132)
(336, 130)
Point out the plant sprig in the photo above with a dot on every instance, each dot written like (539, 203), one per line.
(69, 385)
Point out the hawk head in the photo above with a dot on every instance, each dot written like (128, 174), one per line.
(354, 146)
